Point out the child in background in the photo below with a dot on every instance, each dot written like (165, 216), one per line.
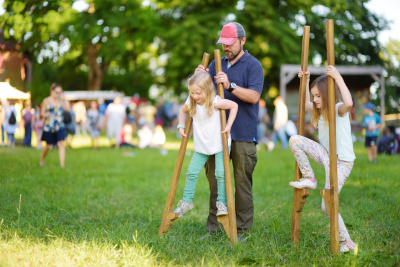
(93, 123)
(203, 106)
(372, 123)
(387, 143)
(11, 124)
(302, 147)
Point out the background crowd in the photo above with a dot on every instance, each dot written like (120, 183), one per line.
(135, 122)
(126, 122)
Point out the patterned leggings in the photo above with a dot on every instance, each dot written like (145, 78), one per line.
(301, 148)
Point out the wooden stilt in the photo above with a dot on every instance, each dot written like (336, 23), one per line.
(334, 195)
(232, 233)
(300, 195)
(326, 194)
(169, 217)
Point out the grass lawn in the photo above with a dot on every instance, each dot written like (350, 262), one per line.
(104, 209)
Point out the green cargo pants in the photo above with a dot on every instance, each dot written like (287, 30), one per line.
(244, 160)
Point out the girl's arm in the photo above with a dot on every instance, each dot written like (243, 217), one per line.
(309, 105)
(344, 91)
(233, 107)
(182, 119)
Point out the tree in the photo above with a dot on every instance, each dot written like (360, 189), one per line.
(274, 30)
(109, 38)
(190, 28)
(113, 33)
(391, 58)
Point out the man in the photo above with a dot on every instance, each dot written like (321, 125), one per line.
(242, 78)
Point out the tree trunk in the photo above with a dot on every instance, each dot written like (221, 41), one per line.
(96, 70)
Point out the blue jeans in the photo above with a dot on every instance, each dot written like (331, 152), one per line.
(196, 164)
(281, 134)
(2, 133)
(28, 135)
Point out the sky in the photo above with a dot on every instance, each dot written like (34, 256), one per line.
(389, 9)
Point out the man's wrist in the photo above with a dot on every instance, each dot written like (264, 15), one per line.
(181, 126)
(232, 86)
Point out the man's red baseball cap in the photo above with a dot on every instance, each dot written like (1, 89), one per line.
(230, 33)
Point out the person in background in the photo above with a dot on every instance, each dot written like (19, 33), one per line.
(28, 115)
(145, 134)
(263, 120)
(114, 120)
(149, 112)
(372, 123)
(38, 126)
(3, 107)
(158, 139)
(11, 124)
(69, 122)
(386, 143)
(52, 110)
(79, 109)
(93, 123)
(280, 121)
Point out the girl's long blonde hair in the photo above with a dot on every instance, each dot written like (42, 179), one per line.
(322, 84)
(204, 81)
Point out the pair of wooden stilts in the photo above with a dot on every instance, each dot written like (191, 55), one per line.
(300, 195)
(330, 196)
(228, 221)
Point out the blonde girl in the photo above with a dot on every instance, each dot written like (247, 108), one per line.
(204, 106)
(302, 147)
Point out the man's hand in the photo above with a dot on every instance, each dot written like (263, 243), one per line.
(222, 78)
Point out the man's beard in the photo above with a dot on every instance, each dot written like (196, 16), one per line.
(233, 56)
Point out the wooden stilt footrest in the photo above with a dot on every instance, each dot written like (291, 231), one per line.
(224, 220)
(326, 194)
(300, 196)
(168, 219)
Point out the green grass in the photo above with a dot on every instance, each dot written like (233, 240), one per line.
(105, 209)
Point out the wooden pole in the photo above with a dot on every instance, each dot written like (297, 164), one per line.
(227, 163)
(334, 196)
(168, 216)
(300, 195)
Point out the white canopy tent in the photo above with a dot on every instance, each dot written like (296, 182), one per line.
(92, 95)
(9, 92)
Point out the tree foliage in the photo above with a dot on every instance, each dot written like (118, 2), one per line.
(132, 44)
(391, 57)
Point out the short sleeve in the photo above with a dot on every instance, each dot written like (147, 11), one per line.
(216, 99)
(187, 102)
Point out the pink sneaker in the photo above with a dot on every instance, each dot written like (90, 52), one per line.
(346, 246)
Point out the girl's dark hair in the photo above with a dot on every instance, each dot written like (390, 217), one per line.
(322, 85)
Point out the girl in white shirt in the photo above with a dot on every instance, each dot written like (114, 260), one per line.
(203, 106)
(302, 147)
